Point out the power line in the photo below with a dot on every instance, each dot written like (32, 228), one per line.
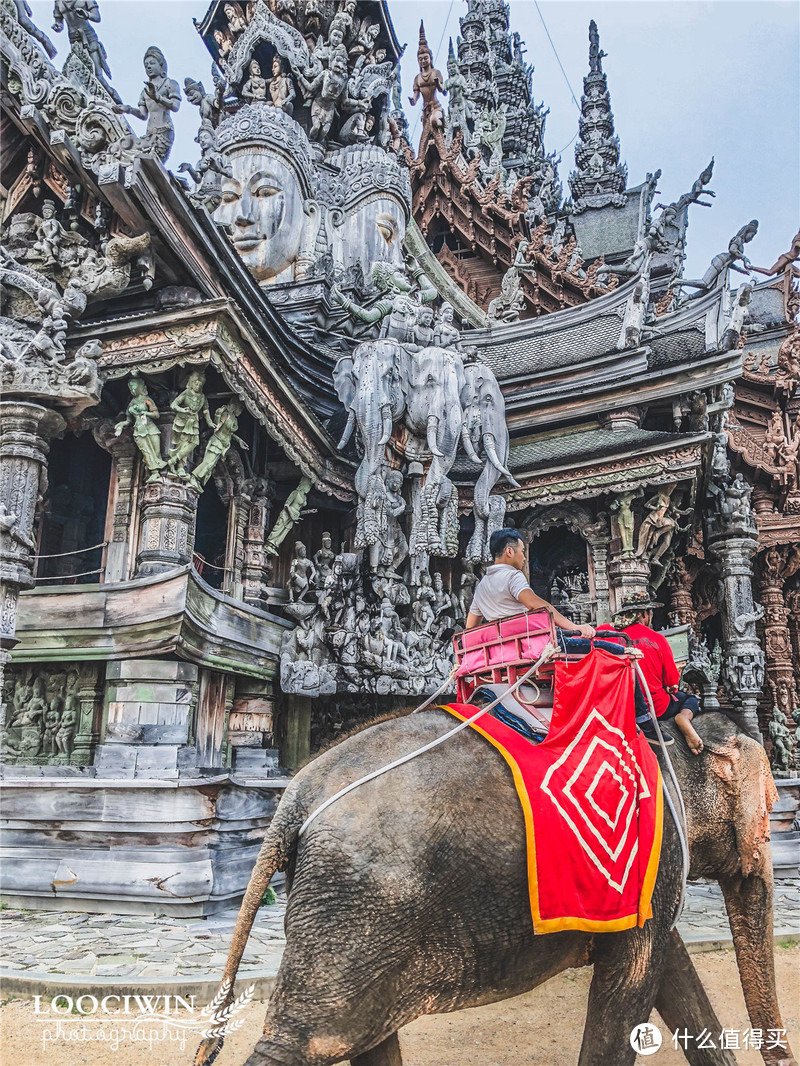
(558, 60)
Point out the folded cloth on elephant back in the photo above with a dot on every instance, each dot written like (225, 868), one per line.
(592, 800)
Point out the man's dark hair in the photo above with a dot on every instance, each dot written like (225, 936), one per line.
(500, 539)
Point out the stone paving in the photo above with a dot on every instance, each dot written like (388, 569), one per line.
(48, 944)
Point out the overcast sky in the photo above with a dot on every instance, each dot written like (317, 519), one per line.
(687, 79)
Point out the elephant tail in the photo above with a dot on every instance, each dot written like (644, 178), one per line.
(276, 850)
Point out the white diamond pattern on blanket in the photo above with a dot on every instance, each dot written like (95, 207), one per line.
(596, 787)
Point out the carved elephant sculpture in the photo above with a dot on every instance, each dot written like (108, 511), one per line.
(398, 909)
(485, 431)
(368, 384)
(432, 380)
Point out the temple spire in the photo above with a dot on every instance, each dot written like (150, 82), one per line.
(599, 179)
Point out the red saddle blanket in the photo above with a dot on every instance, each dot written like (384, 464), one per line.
(592, 800)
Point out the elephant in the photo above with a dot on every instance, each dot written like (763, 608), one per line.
(484, 427)
(409, 896)
(432, 380)
(368, 384)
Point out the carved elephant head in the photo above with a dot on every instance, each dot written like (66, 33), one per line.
(432, 380)
(484, 422)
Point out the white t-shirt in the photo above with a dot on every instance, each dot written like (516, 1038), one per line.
(498, 591)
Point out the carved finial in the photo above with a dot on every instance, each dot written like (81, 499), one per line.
(423, 42)
(596, 54)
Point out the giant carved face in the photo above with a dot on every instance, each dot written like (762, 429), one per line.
(262, 206)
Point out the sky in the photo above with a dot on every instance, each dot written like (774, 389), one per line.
(688, 80)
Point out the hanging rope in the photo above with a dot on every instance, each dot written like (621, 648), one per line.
(78, 551)
(66, 578)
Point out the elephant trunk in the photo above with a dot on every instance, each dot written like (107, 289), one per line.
(348, 429)
(490, 445)
(386, 416)
(433, 425)
(466, 440)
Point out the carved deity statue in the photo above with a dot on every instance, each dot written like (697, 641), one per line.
(596, 53)
(226, 422)
(507, 306)
(781, 740)
(189, 406)
(635, 314)
(427, 83)
(281, 89)
(143, 413)
(160, 97)
(323, 560)
(301, 574)
(77, 15)
(458, 106)
(265, 193)
(622, 511)
(254, 89)
(291, 513)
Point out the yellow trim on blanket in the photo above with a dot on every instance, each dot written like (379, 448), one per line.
(557, 925)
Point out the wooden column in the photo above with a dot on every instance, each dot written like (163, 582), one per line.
(297, 746)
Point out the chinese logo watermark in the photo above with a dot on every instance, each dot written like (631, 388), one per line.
(646, 1038)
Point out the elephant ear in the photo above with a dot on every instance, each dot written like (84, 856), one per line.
(344, 380)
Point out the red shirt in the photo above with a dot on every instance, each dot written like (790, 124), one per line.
(658, 664)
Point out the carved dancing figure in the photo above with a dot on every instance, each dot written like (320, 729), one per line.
(143, 413)
(720, 264)
(657, 526)
(427, 83)
(77, 14)
(160, 97)
(226, 421)
(189, 405)
(290, 515)
(23, 17)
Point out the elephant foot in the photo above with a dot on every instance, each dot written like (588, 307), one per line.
(387, 1053)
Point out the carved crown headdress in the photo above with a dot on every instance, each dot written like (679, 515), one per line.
(423, 42)
(259, 124)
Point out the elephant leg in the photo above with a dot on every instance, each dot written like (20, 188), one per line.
(748, 901)
(627, 969)
(683, 1004)
(387, 1053)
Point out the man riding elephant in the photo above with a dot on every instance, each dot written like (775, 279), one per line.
(504, 591)
(635, 617)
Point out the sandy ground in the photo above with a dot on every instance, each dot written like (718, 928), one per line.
(542, 1028)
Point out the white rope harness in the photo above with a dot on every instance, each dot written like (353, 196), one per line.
(548, 652)
(680, 823)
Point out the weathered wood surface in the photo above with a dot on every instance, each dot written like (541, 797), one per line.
(183, 849)
(174, 612)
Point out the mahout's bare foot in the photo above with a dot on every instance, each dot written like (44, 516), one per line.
(683, 720)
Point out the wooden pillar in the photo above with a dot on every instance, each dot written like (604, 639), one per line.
(297, 745)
